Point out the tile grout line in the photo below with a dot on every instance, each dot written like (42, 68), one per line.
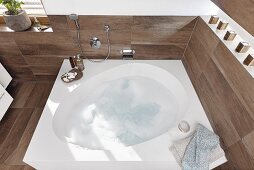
(190, 36)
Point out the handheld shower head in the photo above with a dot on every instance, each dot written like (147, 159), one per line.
(74, 17)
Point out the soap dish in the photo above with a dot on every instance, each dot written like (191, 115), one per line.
(72, 75)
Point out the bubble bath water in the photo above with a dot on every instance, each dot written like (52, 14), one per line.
(124, 112)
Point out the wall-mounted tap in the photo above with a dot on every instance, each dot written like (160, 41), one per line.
(95, 42)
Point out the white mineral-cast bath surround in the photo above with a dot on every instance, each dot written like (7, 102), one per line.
(122, 115)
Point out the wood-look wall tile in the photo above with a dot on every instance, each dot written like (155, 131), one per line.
(48, 49)
(12, 60)
(6, 37)
(235, 74)
(226, 95)
(200, 90)
(60, 37)
(45, 59)
(29, 49)
(58, 49)
(248, 142)
(225, 90)
(200, 51)
(206, 36)
(224, 127)
(45, 69)
(192, 65)
(102, 51)
(49, 78)
(98, 22)
(20, 72)
(116, 36)
(9, 48)
(158, 52)
(174, 34)
(168, 40)
(58, 22)
(158, 37)
(160, 22)
(240, 157)
(231, 109)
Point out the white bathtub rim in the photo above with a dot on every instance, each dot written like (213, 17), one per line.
(46, 148)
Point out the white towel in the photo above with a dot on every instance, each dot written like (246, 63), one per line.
(179, 147)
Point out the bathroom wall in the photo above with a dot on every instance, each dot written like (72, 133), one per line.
(241, 11)
(38, 56)
(224, 87)
(130, 7)
(226, 91)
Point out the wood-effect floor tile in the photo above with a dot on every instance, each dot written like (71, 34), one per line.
(21, 91)
(248, 142)
(19, 123)
(16, 157)
(14, 135)
(240, 157)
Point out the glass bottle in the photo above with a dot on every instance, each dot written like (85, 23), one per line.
(79, 62)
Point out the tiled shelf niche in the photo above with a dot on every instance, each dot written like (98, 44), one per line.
(231, 45)
(4, 28)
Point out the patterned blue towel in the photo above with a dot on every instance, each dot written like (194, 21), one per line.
(197, 153)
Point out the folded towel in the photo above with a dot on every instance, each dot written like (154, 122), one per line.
(197, 150)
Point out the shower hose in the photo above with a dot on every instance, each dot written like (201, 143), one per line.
(82, 52)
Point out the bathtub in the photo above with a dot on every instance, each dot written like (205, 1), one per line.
(120, 115)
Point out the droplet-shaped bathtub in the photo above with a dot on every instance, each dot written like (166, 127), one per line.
(123, 106)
